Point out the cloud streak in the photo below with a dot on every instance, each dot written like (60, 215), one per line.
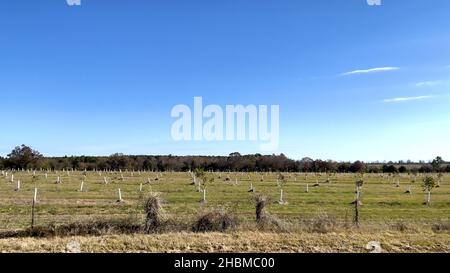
(427, 83)
(403, 99)
(371, 70)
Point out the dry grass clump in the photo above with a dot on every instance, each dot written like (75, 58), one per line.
(260, 203)
(403, 226)
(441, 227)
(264, 220)
(323, 223)
(88, 228)
(154, 217)
(214, 220)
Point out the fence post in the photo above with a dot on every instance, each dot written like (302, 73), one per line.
(33, 207)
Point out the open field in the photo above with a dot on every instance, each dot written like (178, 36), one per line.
(400, 221)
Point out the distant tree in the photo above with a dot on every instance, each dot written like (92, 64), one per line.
(281, 179)
(402, 169)
(118, 161)
(343, 167)
(428, 184)
(436, 163)
(389, 168)
(357, 167)
(23, 157)
(373, 169)
(426, 168)
(199, 173)
(202, 178)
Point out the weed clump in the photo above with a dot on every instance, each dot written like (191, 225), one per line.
(215, 220)
(88, 228)
(441, 227)
(153, 214)
(403, 226)
(264, 220)
(323, 223)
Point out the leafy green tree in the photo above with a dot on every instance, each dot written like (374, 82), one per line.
(23, 157)
(428, 184)
(202, 177)
(281, 179)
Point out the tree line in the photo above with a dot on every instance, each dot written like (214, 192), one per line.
(24, 157)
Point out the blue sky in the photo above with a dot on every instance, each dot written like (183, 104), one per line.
(353, 81)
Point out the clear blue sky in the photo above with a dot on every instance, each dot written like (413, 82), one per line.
(103, 77)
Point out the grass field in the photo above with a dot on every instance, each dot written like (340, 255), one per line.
(400, 221)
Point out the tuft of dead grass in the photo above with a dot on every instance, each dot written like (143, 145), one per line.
(323, 223)
(214, 220)
(153, 214)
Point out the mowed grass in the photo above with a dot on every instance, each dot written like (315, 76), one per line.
(383, 202)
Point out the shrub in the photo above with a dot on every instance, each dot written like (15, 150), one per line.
(323, 223)
(441, 227)
(216, 220)
(403, 226)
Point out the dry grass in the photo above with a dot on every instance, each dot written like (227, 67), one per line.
(353, 241)
(153, 214)
(323, 223)
(214, 220)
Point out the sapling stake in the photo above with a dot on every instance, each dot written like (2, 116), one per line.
(33, 204)
(204, 195)
(282, 202)
(120, 196)
(252, 189)
(408, 191)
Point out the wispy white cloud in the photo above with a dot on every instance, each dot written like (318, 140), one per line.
(371, 70)
(427, 83)
(402, 99)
